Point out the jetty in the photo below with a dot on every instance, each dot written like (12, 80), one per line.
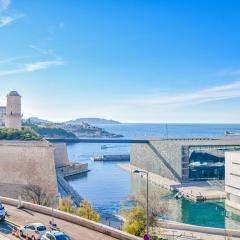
(121, 157)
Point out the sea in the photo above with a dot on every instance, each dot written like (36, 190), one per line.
(108, 187)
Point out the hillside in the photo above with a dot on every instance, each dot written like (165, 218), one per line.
(92, 121)
(78, 128)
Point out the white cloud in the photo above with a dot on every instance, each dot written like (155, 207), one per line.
(11, 59)
(4, 4)
(5, 20)
(41, 65)
(42, 51)
(227, 91)
(32, 67)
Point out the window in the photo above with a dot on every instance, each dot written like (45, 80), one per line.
(31, 227)
(41, 228)
(50, 236)
(62, 237)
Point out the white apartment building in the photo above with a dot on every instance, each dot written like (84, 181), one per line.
(232, 179)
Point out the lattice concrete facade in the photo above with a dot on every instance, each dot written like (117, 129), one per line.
(170, 158)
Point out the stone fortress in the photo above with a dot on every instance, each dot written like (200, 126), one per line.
(38, 163)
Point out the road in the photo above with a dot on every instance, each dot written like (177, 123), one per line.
(24, 216)
(77, 232)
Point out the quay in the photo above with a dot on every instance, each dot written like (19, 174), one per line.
(96, 140)
(194, 191)
(121, 157)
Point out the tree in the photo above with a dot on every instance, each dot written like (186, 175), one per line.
(136, 212)
(37, 195)
(135, 221)
(66, 205)
(87, 211)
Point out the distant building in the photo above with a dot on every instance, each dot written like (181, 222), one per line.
(2, 116)
(232, 179)
(13, 116)
(184, 160)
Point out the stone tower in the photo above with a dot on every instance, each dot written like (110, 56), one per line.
(13, 116)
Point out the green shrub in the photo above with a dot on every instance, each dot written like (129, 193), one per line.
(22, 135)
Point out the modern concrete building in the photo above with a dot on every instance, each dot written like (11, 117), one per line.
(232, 179)
(2, 116)
(184, 160)
(13, 116)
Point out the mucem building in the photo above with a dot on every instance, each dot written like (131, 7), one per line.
(184, 160)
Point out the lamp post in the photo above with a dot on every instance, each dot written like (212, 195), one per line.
(147, 219)
(56, 197)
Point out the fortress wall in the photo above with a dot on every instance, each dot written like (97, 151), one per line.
(60, 154)
(31, 162)
(151, 157)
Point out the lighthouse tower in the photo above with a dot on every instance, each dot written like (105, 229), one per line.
(13, 115)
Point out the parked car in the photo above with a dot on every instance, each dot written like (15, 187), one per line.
(55, 235)
(2, 212)
(33, 231)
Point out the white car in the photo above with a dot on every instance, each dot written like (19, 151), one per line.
(33, 231)
(55, 235)
(2, 212)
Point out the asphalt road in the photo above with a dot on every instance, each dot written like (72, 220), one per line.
(23, 216)
(5, 231)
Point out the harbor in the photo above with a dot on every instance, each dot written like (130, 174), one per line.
(113, 184)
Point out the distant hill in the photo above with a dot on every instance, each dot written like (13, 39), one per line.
(78, 121)
(35, 120)
(92, 121)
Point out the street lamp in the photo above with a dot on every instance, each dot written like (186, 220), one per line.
(56, 197)
(145, 172)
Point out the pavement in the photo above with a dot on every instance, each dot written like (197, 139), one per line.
(23, 216)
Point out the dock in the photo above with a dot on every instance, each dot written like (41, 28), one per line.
(194, 191)
(199, 192)
(120, 157)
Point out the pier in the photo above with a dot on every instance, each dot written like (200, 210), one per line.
(121, 157)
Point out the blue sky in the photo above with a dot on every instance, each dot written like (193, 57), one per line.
(129, 60)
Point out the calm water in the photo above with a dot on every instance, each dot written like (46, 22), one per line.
(106, 186)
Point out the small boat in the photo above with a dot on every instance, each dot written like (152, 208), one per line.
(232, 133)
(104, 147)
